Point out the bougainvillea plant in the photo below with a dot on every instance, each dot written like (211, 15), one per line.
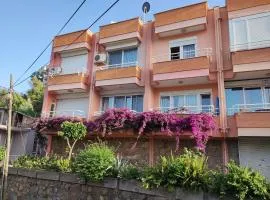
(144, 123)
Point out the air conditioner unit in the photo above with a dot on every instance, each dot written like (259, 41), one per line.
(55, 71)
(100, 59)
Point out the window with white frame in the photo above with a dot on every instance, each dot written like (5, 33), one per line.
(132, 102)
(250, 32)
(183, 48)
(122, 58)
(195, 102)
(247, 98)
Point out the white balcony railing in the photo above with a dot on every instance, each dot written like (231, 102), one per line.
(54, 71)
(65, 113)
(182, 55)
(250, 45)
(99, 113)
(260, 107)
(188, 109)
(115, 66)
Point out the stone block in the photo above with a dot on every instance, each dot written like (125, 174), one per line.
(71, 178)
(27, 173)
(46, 175)
(107, 183)
(13, 171)
(135, 186)
(181, 194)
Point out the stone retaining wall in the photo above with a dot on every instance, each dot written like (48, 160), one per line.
(40, 185)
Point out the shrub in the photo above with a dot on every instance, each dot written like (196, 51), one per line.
(125, 170)
(95, 162)
(241, 183)
(54, 163)
(188, 171)
(2, 153)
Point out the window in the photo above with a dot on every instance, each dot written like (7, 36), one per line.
(194, 103)
(267, 95)
(134, 102)
(124, 58)
(251, 99)
(183, 48)
(189, 51)
(250, 32)
(72, 64)
(175, 53)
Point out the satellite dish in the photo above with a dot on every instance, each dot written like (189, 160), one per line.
(146, 7)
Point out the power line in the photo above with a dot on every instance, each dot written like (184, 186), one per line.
(49, 44)
(93, 23)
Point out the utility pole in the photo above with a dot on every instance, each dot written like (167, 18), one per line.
(6, 160)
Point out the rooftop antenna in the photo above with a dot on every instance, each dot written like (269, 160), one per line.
(145, 9)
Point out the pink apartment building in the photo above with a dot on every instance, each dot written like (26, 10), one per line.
(189, 60)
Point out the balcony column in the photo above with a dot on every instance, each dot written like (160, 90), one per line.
(147, 68)
(220, 81)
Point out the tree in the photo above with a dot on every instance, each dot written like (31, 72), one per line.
(20, 103)
(72, 133)
(35, 95)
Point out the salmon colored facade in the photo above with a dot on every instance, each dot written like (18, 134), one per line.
(202, 59)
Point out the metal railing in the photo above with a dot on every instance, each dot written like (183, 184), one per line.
(259, 107)
(65, 113)
(98, 113)
(250, 45)
(188, 109)
(120, 65)
(59, 71)
(183, 55)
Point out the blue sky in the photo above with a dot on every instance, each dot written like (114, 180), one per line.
(28, 26)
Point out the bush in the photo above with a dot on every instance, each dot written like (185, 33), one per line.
(53, 163)
(241, 183)
(125, 170)
(2, 153)
(95, 162)
(188, 171)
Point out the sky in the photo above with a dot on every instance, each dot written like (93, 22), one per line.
(27, 26)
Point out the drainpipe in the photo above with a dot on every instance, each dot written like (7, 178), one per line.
(220, 80)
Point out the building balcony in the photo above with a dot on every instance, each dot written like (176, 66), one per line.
(125, 75)
(169, 71)
(253, 124)
(253, 63)
(181, 20)
(235, 5)
(68, 83)
(70, 41)
(128, 31)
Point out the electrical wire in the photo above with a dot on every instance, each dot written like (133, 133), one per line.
(93, 23)
(49, 44)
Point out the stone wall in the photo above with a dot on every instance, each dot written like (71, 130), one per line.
(40, 185)
(161, 147)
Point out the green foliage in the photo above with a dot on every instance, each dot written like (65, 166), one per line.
(241, 183)
(123, 169)
(35, 95)
(95, 162)
(188, 171)
(2, 153)
(54, 163)
(72, 131)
